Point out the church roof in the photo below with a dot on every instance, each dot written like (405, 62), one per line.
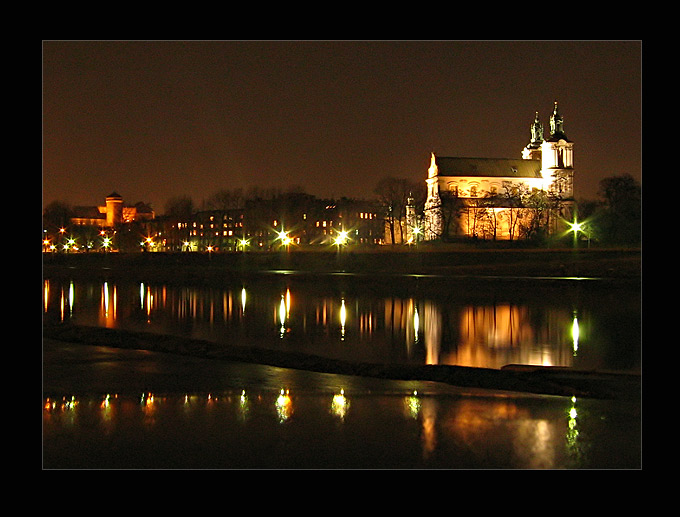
(493, 167)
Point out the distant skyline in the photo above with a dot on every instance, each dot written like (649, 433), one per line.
(153, 120)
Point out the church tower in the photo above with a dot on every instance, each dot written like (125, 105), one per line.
(557, 159)
(533, 149)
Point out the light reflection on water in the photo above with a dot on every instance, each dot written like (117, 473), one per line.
(362, 326)
(270, 429)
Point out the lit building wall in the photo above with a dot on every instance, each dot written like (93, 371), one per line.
(114, 210)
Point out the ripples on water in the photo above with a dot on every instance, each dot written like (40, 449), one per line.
(461, 324)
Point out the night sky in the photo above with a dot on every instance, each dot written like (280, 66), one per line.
(154, 120)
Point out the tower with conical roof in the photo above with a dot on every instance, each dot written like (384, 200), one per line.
(114, 209)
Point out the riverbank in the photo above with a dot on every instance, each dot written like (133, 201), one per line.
(614, 264)
(516, 378)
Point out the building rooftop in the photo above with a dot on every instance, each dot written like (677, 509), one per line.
(493, 167)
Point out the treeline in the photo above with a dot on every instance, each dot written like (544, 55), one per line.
(615, 217)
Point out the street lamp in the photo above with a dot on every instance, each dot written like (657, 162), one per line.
(285, 239)
(577, 227)
(341, 238)
(414, 237)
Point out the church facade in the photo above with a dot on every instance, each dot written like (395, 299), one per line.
(502, 199)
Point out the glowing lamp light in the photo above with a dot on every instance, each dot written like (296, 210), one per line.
(284, 238)
(341, 238)
(576, 226)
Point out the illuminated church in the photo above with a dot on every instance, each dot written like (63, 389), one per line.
(502, 199)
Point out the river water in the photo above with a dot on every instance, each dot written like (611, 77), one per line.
(262, 417)
(576, 323)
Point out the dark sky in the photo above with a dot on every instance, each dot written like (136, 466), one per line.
(154, 120)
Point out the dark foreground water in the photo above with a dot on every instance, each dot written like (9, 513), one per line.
(259, 417)
(113, 408)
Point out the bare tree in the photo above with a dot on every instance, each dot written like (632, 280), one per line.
(180, 208)
(393, 195)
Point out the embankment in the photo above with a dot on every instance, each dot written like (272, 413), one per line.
(517, 378)
(616, 264)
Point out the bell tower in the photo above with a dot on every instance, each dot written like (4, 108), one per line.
(533, 149)
(557, 159)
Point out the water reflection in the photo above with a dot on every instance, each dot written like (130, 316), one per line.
(361, 327)
(575, 332)
(65, 302)
(284, 406)
(340, 405)
(343, 319)
(419, 430)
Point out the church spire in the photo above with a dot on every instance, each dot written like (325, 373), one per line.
(536, 133)
(557, 125)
